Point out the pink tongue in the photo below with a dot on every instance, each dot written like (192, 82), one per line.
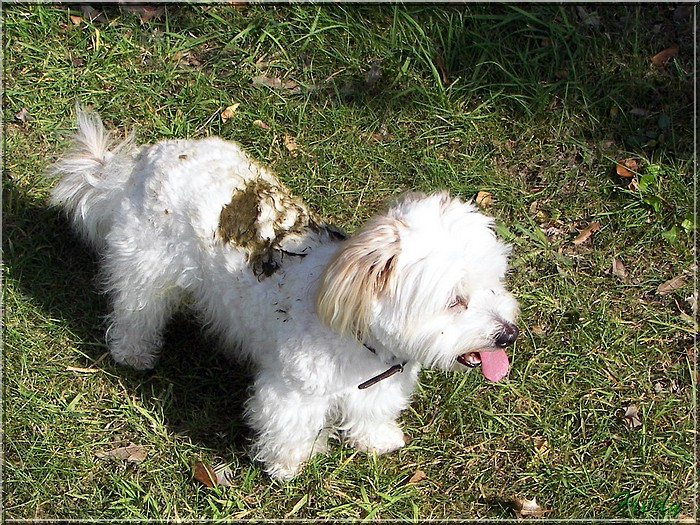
(494, 364)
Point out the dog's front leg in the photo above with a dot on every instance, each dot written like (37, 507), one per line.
(369, 416)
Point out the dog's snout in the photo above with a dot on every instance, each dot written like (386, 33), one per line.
(507, 336)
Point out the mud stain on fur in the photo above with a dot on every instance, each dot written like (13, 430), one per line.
(267, 221)
(237, 222)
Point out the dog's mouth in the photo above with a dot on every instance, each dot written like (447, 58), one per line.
(472, 359)
(493, 362)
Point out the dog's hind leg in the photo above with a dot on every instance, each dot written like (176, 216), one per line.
(289, 426)
(144, 294)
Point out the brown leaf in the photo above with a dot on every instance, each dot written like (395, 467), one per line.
(440, 65)
(671, 285)
(76, 20)
(640, 112)
(276, 83)
(374, 74)
(418, 475)
(484, 199)
(205, 474)
(291, 145)
(618, 269)
(525, 508)
(586, 234)
(627, 168)
(92, 14)
(145, 11)
(381, 134)
(23, 116)
(538, 330)
(186, 58)
(541, 445)
(131, 453)
(591, 20)
(222, 475)
(660, 58)
(259, 123)
(228, 113)
(632, 419)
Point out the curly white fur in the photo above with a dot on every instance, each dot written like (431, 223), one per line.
(199, 222)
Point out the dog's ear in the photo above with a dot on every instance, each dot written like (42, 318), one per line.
(360, 271)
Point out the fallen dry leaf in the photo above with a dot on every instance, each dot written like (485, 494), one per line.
(627, 168)
(640, 112)
(591, 20)
(586, 233)
(692, 300)
(228, 113)
(671, 285)
(381, 134)
(222, 475)
(291, 145)
(418, 475)
(484, 199)
(259, 123)
(660, 58)
(618, 269)
(145, 11)
(541, 445)
(526, 508)
(276, 83)
(440, 65)
(205, 474)
(632, 419)
(76, 20)
(374, 74)
(538, 330)
(92, 14)
(186, 58)
(131, 453)
(23, 116)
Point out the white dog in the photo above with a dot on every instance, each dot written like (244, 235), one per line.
(337, 328)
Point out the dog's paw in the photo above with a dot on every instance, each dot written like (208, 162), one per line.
(285, 464)
(381, 440)
(137, 360)
(283, 471)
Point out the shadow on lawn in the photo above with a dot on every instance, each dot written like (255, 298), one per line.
(200, 393)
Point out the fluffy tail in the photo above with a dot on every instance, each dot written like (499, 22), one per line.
(91, 183)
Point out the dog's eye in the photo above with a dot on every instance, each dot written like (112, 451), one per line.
(459, 302)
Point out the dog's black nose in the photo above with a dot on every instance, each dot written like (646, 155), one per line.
(508, 336)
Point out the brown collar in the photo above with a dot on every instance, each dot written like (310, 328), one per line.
(394, 369)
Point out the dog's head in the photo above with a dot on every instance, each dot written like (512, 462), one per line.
(424, 281)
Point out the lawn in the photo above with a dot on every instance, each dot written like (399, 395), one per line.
(574, 127)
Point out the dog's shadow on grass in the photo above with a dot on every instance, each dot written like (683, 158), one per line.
(198, 391)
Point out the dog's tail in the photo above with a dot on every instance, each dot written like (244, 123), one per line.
(91, 183)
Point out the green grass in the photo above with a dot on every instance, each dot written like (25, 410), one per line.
(533, 103)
